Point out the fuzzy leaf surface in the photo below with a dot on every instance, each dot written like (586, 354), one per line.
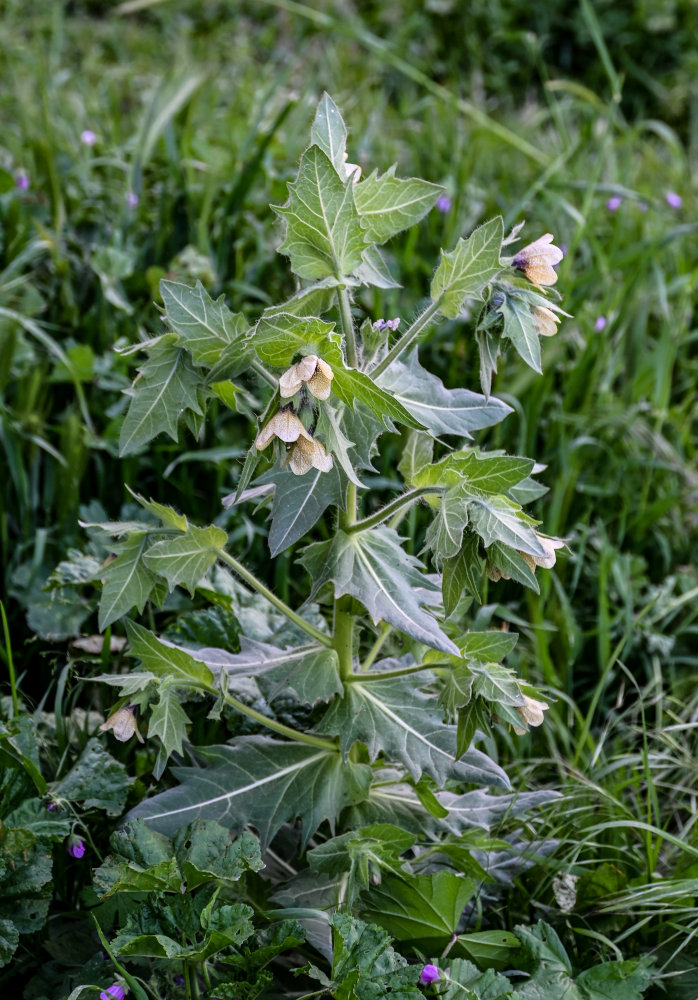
(329, 132)
(441, 410)
(164, 659)
(389, 204)
(299, 502)
(465, 272)
(495, 518)
(373, 567)
(185, 559)
(261, 781)
(96, 780)
(127, 582)
(396, 718)
(168, 386)
(205, 327)
(521, 330)
(324, 236)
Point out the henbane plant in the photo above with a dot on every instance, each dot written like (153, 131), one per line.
(386, 690)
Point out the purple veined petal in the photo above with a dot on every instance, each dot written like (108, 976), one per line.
(600, 324)
(673, 199)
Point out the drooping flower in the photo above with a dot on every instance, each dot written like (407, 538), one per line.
(123, 724)
(537, 260)
(548, 560)
(443, 203)
(673, 199)
(614, 203)
(429, 974)
(531, 712)
(76, 848)
(113, 992)
(600, 324)
(312, 370)
(88, 137)
(546, 320)
(306, 455)
(285, 425)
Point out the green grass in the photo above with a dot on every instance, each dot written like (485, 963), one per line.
(202, 111)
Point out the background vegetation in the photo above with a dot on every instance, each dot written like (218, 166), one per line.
(582, 118)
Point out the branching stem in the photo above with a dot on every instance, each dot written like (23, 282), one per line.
(279, 727)
(392, 508)
(347, 327)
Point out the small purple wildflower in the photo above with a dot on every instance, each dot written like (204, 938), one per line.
(51, 806)
(88, 137)
(386, 324)
(614, 203)
(600, 324)
(22, 181)
(113, 992)
(76, 849)
(443, 203)
(429, 974)
(178, 980)
(673, 199)
(131, 199)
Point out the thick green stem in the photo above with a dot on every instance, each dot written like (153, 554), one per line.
(384, 675)
(407, 339)
(393, 507)
(273, 599)
(343, 632)
(375, 649)
(347, 327)
(259, 368)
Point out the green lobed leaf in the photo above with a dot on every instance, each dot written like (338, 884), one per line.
(279, 337)
(329, 430)
(33, 816)
(396, 718)
(467, 982)
(381, 844)
(466, 271)
(483, 810)
(389, 204)
(9, 939)
(486, 646)
(521, 330)
(495, 518)
(205, 853)
(187, 558)
(324, 236)
(126, 582)
(205, 327)
(353, 386)
(417, 452)
(425, 908)
(440, 410)
(373, 567)
(299, 502)
(169, 722)
(260, 781)
(444, 535)
(166, 660)
(365, 967)
(488, 946)
(512, 565)
(462, 574)
(373, 270)
(168, 386)
(96, 780)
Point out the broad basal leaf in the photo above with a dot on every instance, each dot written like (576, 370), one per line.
(185, 559)
(365, 967)
(387, 204)
(467, 982)
(310, 671)
(169, 722)
(126, 582)
(96, 780)
(260, 781)
(441, 410)
(398, 719)
(486, 811)
(164, 659)
(167, 387)
(329, 132)
(324, 235)
(466, 271)
(425, 908)
(205, 327)
(374, 568)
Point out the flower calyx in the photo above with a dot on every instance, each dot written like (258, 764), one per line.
(312, 371)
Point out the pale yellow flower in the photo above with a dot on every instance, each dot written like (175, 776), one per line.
(312, 370)
(305, 455)
(537, 260)
(531, 712)
(548, 560)
(123, 724)
(546, 321)
(285, 425)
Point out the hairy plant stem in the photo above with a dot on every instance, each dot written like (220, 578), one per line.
(347, 327)
(278, 727)
(384, 675)
(280, 605)
(407, 339)
(393, 507)
(259, 368)
(343, 631)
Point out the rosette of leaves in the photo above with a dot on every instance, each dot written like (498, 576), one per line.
(394, 685)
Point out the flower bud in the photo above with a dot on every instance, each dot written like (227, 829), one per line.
(76, 848)
(429, 974)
